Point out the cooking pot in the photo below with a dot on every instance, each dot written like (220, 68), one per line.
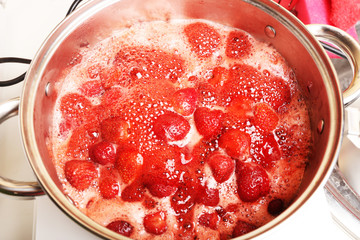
(263, 19)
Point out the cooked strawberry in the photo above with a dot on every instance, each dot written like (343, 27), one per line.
(235, 142)
(103, 153)
(276, 93)
(208, 94)
(248, 82)
(93, 71)
(91, 88)
(184, 199)
(155, 223)
(161, 190)
(208, 196)
(239, 109)
(114, 129)
(81, 139)
(171, 127)
(112, 76)
(80, 173)
(222, 166)
(252, 180)
(108, 187)
(238, 45)
(242, 228)
(204, 39)
(265, 117)
(210, 220)
(266, 151)
(129, 164)
(133, 192)
(245, 81)
(275, 207)
(140, 63)
(121, 227)
(185, 100)
(219, 76)
(75, 108)
(207, 121)
(112, 96)
(162, 171)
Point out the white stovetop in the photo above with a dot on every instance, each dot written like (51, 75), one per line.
(23, 27)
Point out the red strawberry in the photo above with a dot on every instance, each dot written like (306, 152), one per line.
(112, 101)
(210, 220)
(238, 45)
(252, 180)
(266, 151)
(185, 100)
(207, 121)
(76, 108)
(265, 117)
(138, 63)
(108, 187)
(203, 38)
(222, 166)
(275, 207)
(155, 223)
(133, 192)
(114, 130)
(81, 139)
(161, 190)
(257, 86)
(239, 109)
(276, 93)
(208, 196)
(171, 127)
(103, 153)
(121, 227)
(184, 199)
(235, 142)
(129, 164)
(162, 170)
(91, 88)
(112, 76)
(242, 228)
(219, 76)
(93, 71)
(80, 173)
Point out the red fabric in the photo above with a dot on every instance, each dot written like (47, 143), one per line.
(345, 13)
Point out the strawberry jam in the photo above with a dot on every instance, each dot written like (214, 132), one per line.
(180, 130)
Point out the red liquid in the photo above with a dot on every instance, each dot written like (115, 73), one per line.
(193, 129)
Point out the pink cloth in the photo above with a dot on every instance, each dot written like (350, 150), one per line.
(339, 13)
(343, 14)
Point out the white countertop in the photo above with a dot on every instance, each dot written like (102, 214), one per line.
(23, 27)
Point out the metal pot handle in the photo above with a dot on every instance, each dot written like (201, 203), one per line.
(349, 46)
(343, 201)
(9, 109)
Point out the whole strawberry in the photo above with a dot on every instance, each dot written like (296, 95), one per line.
(252, 180)
(103, 153)
(208, 121)
(80, 173)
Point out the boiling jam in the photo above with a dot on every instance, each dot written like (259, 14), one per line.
(180, 130)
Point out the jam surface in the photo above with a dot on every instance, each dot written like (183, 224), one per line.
(180, 130)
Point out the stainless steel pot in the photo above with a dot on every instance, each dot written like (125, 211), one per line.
(264, 19)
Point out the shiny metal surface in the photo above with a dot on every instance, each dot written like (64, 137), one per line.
(97, 20)
(344, 203)
(350, 47)
(9, 109)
